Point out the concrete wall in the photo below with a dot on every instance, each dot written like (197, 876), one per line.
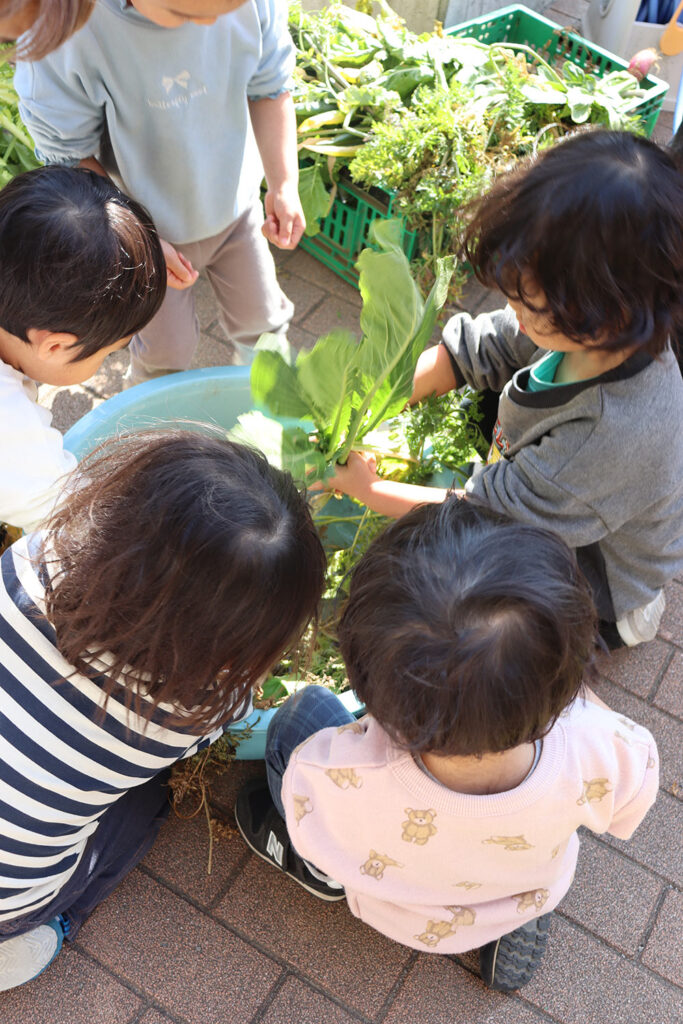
(420, 15)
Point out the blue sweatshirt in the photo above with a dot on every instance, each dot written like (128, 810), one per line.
(163, 109)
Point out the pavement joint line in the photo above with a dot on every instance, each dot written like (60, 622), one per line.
(144, 997)
(395, 989)
(643, 700)
(646, 867)
(232, 877)
(139, 1014)
(660, 676)
(319, 990)
(542, 1014)
(299, 321)
(269, 998)
(649, 927)
(638, 967)
(625, 856)
(249, 940)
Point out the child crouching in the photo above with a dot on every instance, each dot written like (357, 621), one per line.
(167, 584)
(449, 813)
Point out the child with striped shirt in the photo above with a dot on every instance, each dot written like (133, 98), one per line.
(131, 634)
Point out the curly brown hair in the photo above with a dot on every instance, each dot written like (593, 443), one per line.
(596, 223)
(184, 563)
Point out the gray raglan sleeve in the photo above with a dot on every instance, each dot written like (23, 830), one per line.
(64, 120)
(551, 485)
(274, 72)
(486, 351)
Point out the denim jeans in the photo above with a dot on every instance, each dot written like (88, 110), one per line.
(125, 833)
(308, 711)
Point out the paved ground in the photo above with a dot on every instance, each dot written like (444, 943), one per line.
(174, 945)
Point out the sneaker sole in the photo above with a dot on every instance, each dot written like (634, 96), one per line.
(24, 957)
(314, 892)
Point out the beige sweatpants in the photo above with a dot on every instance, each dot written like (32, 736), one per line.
(241, 271)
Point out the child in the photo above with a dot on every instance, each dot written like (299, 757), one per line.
(449, 813)
(134, 630)
(173, 98)
(44, 24)
(587, 243)
(81, 270)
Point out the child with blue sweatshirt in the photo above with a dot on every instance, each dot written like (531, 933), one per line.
(184, 103)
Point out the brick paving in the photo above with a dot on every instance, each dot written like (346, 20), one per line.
(174, 945)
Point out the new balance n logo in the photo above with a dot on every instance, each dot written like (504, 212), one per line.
(275, 848)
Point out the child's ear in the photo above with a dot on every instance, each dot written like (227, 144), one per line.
(52, 346)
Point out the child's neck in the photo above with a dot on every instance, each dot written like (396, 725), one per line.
(585, 363)
(490, 773)
(12, 350)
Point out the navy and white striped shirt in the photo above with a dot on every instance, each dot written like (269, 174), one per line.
(62, 763)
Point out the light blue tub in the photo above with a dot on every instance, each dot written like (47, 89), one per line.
(213, 395)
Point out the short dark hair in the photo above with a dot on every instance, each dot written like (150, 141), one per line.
(189, 562)
(77, 255)
(597, 223)
(466, 632)
(53, 22)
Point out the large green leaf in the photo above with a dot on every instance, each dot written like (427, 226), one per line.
(274, 386)
(397, 385)
(396, 325)
(326, 376)
(277, 343)
(285, 445)
(343, 388)
(315, 197)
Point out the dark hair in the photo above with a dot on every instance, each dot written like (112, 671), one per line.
(53, 22)
(189, 563)
(77, 255)
(596, 222)
(466, 632)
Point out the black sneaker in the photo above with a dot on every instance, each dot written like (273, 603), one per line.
(265, 832)
(510, 961)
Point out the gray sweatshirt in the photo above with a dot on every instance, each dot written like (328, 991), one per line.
(163, 109)
(599, 461)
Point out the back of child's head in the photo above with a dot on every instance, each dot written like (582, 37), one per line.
(466, 633)
(189, 559)
(595, 223)
(79, 256)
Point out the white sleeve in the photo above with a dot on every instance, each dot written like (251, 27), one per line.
(34, 460)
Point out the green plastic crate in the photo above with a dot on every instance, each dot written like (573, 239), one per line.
(517, 24)
(344, 231)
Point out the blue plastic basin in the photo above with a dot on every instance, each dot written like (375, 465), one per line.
(215, 395)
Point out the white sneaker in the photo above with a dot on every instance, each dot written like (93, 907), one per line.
(641, 624)
(24, 957)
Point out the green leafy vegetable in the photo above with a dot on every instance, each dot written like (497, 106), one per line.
(323, 402)
(16, 145)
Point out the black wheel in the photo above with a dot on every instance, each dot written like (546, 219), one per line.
(510, 961)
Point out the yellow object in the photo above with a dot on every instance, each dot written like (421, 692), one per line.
(327, 149)
(316, 121)
(671, 42)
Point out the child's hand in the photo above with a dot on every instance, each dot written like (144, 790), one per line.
(180, 273)
(285, 222)
(356, 477)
